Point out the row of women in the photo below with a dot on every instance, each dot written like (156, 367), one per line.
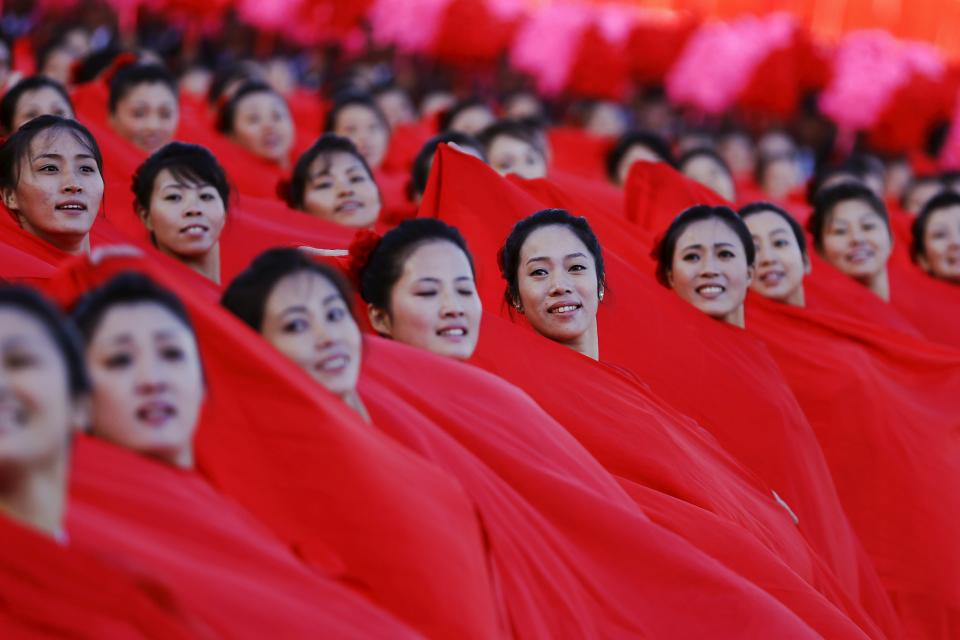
(534, 405)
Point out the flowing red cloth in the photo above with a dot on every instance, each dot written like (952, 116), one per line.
(304, 464)
(600, 67)
(228, 569)
(472, 32)
(884, 409)
(575, 151)
(587, 562)
(406, 140)
(654, 45)
(716, 374)
(674, 469)
(52, 590)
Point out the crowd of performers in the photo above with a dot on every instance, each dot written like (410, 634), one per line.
(524, 369)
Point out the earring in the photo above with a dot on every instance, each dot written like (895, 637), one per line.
(518, 307)
(601, 295)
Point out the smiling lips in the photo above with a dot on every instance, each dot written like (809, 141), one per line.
(771, 278)
(455, 332)
(564, 308)
(72, 207)
(194, 230)
(12, 414)
(711, 291)
(332, 364)
(860, 255)
(157, 413)
(350, 206)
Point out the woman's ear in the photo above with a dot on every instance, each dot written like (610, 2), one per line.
(670, 278)
(10, 199)
(380, 321)
(807, 265)
(144, 216)
(750, 271)
(924, 264)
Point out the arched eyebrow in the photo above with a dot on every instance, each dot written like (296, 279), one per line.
(57, 156)
(576, 254)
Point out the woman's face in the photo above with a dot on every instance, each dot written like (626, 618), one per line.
(780, 265)
(557, 283)
(263, 126)
(340, 190)
(39, 102)
(633, 154)
(711, 174)
(185, 217)
(366, 130)
(856, 240)
(710, 271)
(507, 155)
(148, 384)
(780, 177)
(472, 120)
(58, 64)
(941, 241)
(60, 189)
(37, 413)
(307, 320)
(147, 116)
(434, 305)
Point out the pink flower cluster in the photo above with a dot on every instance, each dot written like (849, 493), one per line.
(868, 68)
(720, 59)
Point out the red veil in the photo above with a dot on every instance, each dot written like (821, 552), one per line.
(324, 482)
(721, 377)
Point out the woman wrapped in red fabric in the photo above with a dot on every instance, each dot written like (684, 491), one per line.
(781, 253)
(294, 302)
(258, 119)
(851, 231)
(704, 165)
(333, 181)
(423, 162)
(51, 181)
(44, 401)
(936, 237)
(148, 392)
(144, 105)
(356, 116)
(633, 146)
(32, 97)
(514, 147)
(553, 266)
(707, 257)
(181, 195)
(470, 116)
(419, 283)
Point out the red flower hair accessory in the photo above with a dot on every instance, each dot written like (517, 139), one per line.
(361, 248)
(122, 60)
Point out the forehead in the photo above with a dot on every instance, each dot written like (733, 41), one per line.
(334, 161)
(151, 92)
(17, 323)
(40, 93)
(437, 259)
(261, 101)
(504, 144)
(139, 318)
(59, 141)
(300, 288)
(708, 233)
(640, 151)
(166, 178)
(702, 163)
(552, 240)
(767, 222)
(945, 214)
(356, 114)
(851, 210)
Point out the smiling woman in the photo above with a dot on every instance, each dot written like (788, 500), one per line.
(333, 181)
(781, 247)
(144, 105)
(420, 285)
(553, 266)
(706, 256)
(51, 181)
(258, 119)
(181, 194)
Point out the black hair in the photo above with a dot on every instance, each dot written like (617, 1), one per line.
(91, 66)
(652, 141)
(508, 257)
(127, 288)
(448, 116)
(522, 130)
(422, 163)
(247, 295)
(667, 245)
(189, 163)
(385, 264)
(827, 199)
(226, 74)
(17, 146)
(943, 200)
(353, 99)
(917, 181)
(8, 105)
(61, 332)
(755, 208)
(326, 145)
(133, 75)
(228, 113)
(826, 174)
